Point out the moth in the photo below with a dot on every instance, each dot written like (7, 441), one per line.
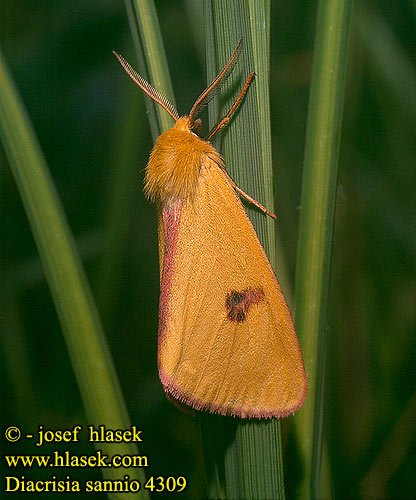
(226, 340)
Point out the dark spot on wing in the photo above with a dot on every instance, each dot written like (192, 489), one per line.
(237, 304)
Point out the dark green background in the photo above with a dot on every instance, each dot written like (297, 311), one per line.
(83, 107)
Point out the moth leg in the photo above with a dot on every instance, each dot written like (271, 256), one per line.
(247, 196)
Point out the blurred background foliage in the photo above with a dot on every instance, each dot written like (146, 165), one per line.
(91, 123)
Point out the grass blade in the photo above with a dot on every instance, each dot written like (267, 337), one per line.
(316, 221)
(70, 291)
(251, 466)
(153, 65)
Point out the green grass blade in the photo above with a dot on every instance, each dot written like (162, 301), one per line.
(145, 29)
(73, 300)
(316, 221)
(251, 466)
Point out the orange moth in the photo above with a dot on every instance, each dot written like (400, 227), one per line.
(226, 341)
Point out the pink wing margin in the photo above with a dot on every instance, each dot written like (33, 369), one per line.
(171, 216)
